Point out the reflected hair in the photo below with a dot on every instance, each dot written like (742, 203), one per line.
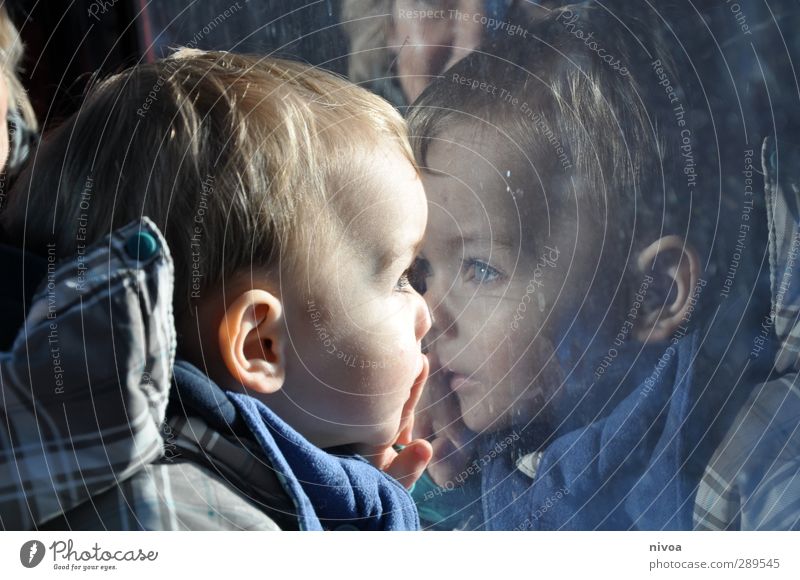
(587, 112)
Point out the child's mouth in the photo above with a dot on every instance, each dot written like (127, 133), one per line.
(457, 381)
(421, 365)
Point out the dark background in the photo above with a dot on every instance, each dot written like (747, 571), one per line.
(65, 46)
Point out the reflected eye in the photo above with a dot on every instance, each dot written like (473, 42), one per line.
(480, 272)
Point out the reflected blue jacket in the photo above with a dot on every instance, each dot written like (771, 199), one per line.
(637, 467)
(628, 470)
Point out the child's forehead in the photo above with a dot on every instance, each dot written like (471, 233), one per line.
(482, 185)
(478, 152)
(465, 136)
(468, 167)
(383, 177)
(380, 202)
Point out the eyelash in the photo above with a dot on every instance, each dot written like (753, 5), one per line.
(476, 266)
(415, 276)
(404, 282)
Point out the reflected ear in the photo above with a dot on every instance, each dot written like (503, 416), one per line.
(674, 266)
(252, 339)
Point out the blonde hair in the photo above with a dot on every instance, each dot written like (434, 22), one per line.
(11, 50)
(230, 155)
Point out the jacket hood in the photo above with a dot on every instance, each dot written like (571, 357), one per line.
(85, 380)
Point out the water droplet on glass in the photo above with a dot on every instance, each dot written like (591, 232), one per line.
(542, 302)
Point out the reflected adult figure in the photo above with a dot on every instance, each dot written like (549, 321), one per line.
(398, 46)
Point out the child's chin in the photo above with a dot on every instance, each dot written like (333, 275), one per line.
(481, 422)
(379, 438)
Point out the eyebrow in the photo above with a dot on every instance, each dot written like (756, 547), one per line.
(391, 256)
(476, 238)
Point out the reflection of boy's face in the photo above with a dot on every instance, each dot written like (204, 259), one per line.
(492, 289)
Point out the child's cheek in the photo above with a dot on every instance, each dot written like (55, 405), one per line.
(394, 375)
(399, 367)
(514, 336)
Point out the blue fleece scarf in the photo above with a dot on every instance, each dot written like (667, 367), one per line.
(328, 491)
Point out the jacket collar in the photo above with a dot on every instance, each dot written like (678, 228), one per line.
(327, 491)
(783, 218)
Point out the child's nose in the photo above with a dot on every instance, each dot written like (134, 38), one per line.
(442, 322)
(424, 319)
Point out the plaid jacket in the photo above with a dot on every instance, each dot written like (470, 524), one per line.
(83, 439)
(753, 479)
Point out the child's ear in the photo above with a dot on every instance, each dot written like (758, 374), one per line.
(675, 269)
(252, 339)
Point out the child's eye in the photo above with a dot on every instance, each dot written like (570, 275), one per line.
(480, 272)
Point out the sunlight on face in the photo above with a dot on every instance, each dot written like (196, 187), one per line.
(355, 322)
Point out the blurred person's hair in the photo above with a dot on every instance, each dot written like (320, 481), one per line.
(20, 109)
(234, 157)
(366, 25)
